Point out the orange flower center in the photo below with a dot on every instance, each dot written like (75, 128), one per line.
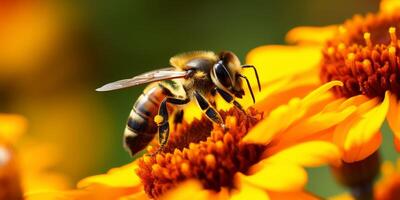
(364, 56)
(204, 152)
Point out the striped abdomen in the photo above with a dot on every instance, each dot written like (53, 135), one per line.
(141, 128)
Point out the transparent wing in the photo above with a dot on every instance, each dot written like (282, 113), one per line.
(148, 77)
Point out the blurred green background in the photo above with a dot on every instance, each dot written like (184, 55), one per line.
(103, 41)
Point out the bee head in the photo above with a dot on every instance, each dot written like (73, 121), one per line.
(226, 75)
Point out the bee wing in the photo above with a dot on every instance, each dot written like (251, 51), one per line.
(148, 77)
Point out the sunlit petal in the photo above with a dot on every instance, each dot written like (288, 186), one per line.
(341, 131)
(264, 131)
(393, 115)
(12, 127)
(388, 6)
(114, 178)
(92, 192)
(280, 92)
(298, 195)
(274, 62)
(186, 191)
(317, 123)
(48, 196)
(313, 96)
(269, 176)
(367, 125)
(306, 154)
(247, 191)
(362, 150)
(311, 34)
(354, 101)
(141, 195)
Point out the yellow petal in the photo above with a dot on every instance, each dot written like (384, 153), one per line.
(124, 176)
(106, 192)
(186, 190)
(300, 195)
(393, 116)
(361, 151)
(47, 196)
(274, 62)
(367, 125)
(281, 142)
(310, 154)
(12, 127)
(389, 6)
(357, 135)
(279, 92)
(277, 176)
(92, 192)
(317, 123)
(20, 53)
(333, 105)
(223, 194)
(265, 130)
(247, 191)
(276, 92)
(311, 35)
(37, 176)
(354, 101)
(363, 105)
(313, 96)
(141, 195)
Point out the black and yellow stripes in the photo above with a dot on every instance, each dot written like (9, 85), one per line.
(140, 128)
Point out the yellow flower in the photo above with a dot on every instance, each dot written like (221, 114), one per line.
(25, 167)
(363, 54)
(258, 157)
(12, 127)
(38, 38)
(22, 53)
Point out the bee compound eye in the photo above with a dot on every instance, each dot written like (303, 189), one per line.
(222, 75)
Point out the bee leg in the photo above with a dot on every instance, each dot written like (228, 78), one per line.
(230, 99)
(178, 117)
(162, 120)
(208, 110)
(212, 101)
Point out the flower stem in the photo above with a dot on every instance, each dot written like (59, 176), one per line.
(359, 176)
(363, 192)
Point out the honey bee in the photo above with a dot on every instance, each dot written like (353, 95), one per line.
(199, 76)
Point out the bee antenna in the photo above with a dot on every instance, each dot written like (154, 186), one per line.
(255, 71)
(248, 85)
